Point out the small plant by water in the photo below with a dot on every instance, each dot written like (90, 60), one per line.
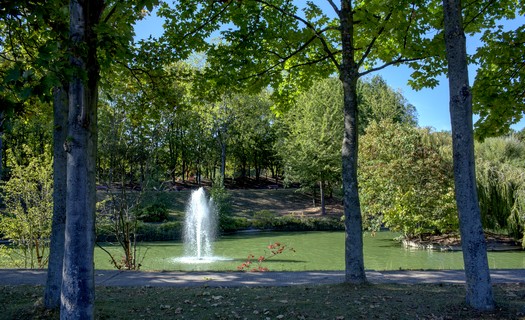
(250, 264)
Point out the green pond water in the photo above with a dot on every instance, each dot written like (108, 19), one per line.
(312, 251)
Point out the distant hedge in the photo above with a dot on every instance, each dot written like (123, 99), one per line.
(172, 231)
(167, 231)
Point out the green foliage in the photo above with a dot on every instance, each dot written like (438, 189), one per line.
(378, 101)
(294, 223)
(166, 231)
(499, 84)
(26, 218)
(263, 219)
(145, 232)
(268, 220)
(311, 146)
(156, 212)
(117, 219)
(313, 133)
(501, 184)
(233, 224)
(221, 200)
(406, 179)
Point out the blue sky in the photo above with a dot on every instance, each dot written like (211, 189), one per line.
(431, 104)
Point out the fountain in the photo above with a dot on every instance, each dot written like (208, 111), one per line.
(200, 230)
(199, 226)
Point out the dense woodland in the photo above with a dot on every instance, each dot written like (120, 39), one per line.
(405, 171)
(260, 89)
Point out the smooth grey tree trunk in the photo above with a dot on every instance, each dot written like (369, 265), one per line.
(2, 119)
(78, 285)
(354, 259)
(56, 250)
(479, 290)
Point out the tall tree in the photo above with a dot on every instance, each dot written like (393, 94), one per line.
(406, 179)
(78, 285)
(479, 290)
(311, 145)
(273, 43)
(57, 238)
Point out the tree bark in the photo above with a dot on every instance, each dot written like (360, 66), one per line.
(223, 162)
(78, 285)
(321, 191)
(2, 119)
(56, 250)
(479, 290)
(348, 72)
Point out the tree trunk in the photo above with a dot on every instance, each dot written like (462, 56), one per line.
(479, 290)
(354, 260)
(323, 205)
(223, 163)
(2, 119)
(58, 225)
(78, 285)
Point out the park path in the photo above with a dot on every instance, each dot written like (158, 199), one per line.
(240, 279)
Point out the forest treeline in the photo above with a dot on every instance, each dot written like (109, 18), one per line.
(149, 140)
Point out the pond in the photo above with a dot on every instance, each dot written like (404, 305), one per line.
(312, 251)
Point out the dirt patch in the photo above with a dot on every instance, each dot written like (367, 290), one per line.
(281, 202)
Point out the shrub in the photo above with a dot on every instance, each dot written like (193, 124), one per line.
(155, 212)
(153, 207)
(232, 224)
(264, 219)
(406, 179)
(221, 200)
(26, 218)
(167, 231)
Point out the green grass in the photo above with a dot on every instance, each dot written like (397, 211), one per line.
(385, 301)
(313, 251)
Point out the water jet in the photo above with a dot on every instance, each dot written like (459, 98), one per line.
(200, 229)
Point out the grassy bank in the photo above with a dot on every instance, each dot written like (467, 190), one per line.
(385, 301)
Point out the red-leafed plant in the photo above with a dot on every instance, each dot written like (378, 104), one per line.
(257, 265)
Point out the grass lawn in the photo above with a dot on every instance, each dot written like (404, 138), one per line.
(384, 301)
(319, 250)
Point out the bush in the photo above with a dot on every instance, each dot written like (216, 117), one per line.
(232, 224)
(406, 179)
(27, 210)
(156, 212)
(221, 201)
(153, 207)
(264, 219)
(167, 231)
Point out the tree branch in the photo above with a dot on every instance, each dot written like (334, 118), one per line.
(310, 26)
(334, 6)
(281, 61)
(371, 44)
(485, 8)
(200, 27)
(394, 62)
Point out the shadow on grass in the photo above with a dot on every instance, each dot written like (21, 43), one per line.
(384, 301)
